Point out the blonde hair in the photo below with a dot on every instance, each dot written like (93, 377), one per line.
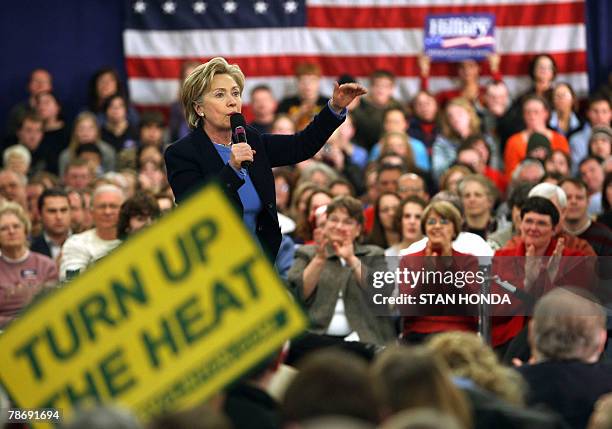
(447, 130)
(10, 207)
(199, 82)
(468, 356)
(74, 142)
(385, 149)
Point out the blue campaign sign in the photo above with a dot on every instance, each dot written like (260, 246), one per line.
(458, 37)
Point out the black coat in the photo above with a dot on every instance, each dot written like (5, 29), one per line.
(193, 160)
(40, 245)
(570, 388)
(248, 406)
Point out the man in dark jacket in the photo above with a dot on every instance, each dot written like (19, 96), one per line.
(567, 336)
(248, 404)
(54, 208)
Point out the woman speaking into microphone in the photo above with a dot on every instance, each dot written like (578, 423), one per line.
(210, 95)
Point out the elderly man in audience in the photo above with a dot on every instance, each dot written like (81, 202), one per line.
(567, 336)
(529, 170)
(13, 187)
(17, 158)
(54, 208)
(82, 250)
(23, 273)
(412, 184)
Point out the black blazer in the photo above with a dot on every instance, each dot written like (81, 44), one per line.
(40, 245)
(193, 160)
(569, 387)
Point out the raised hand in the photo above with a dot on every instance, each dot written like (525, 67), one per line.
(424, 63)
(532, 266)
(429, 251)
(345, 248)
(494, 60)
(321, 241)
(344, 94)
(555, 260)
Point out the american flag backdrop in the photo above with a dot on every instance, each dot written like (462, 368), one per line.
(267, 38)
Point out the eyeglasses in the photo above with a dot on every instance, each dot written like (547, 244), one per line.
(107, 206)
(346, 221)
(431, 221)
(538, 223)
(412, 189)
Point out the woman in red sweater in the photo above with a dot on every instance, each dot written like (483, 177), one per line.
(441, 223)
(521, 265)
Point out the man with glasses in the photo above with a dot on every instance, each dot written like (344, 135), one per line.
(81, 250)
(412, 184)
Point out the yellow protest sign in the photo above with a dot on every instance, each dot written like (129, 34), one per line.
(166, 320)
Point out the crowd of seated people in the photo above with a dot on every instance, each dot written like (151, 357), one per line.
(472, 172)
(454, 380)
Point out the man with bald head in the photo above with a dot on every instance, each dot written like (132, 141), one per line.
(412, 184)
(81, 250)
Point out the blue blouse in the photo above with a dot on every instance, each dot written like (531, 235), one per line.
(251, 202)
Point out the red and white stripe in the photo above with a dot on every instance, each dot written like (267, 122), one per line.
(357, 37)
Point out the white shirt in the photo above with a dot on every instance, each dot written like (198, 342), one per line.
(81, 250)
(54, 248)
(339, 325)
(466, 242)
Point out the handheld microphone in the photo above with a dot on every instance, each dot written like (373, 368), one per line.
(519, 293)
(237, 124)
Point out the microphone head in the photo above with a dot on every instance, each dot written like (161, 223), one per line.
(237, 120)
